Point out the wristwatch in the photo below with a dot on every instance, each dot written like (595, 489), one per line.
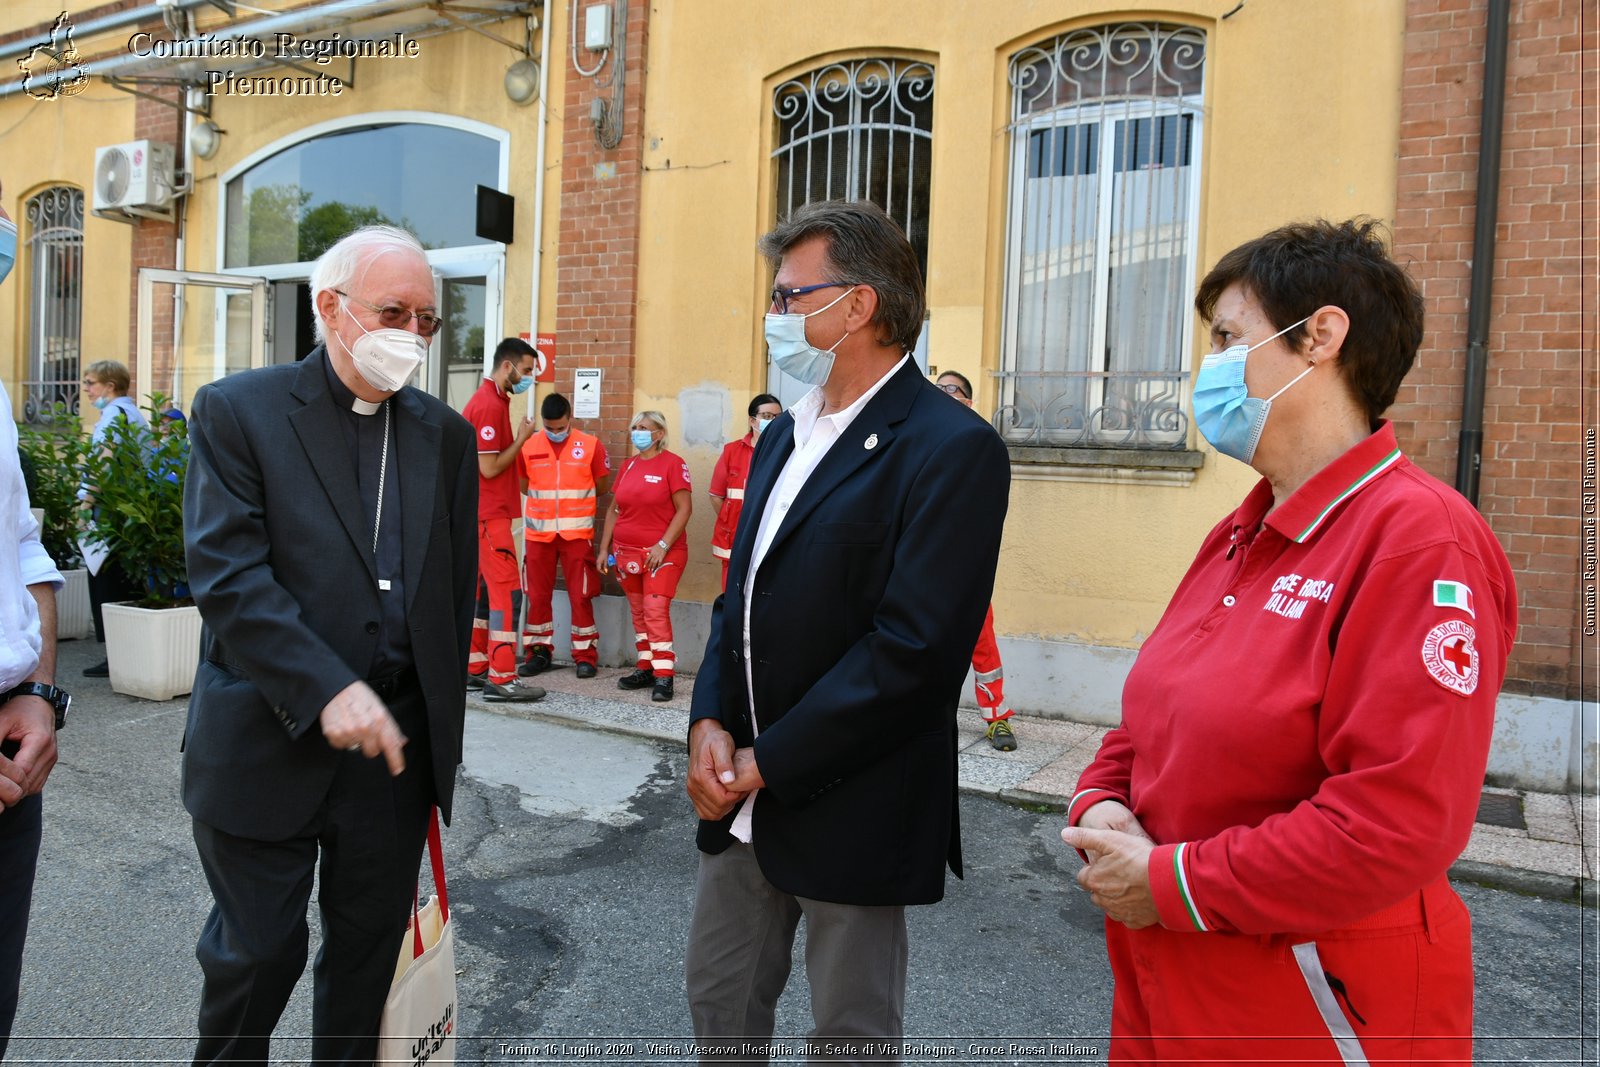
(59, 699)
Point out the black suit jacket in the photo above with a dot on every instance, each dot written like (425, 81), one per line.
(865, 612)
(280, 562)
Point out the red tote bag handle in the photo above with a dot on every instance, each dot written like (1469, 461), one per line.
(436, 856)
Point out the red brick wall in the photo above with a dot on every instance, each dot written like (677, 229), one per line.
(155, 244)
(1542, 307)
(597, 261)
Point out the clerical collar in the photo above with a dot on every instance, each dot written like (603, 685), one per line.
(343, 397)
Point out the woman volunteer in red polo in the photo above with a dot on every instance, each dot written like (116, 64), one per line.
(643, 541)
(1304, 734)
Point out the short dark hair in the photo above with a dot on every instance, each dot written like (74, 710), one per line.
(966, 386)
(554, 406)
(762, 398)
(1298, 268)
(512, 349)
(865, 247)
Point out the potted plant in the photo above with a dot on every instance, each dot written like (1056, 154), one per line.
(52, 465)
(135, 481)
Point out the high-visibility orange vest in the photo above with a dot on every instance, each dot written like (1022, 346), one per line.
(561, 490)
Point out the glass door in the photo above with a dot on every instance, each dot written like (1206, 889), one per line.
(194, 328)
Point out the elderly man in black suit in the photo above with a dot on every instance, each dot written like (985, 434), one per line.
(330, 514)
(823, 732)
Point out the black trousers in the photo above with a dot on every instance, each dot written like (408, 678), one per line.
(21, 829)
(111, 585)
(369, 835)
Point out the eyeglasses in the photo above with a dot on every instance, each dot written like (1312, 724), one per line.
(394, 317)
(952, 388)
(781, 297)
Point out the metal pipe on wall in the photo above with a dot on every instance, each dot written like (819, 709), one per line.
(1469, 454)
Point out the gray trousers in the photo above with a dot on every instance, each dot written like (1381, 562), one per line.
(740, 943)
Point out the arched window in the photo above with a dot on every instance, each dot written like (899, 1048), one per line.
(859, 130)
(54, 254)
(291, 206)
(1103, 198)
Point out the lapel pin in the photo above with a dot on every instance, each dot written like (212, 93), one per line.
(870, 443)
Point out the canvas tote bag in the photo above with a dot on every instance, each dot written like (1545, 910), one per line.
(419, 1018)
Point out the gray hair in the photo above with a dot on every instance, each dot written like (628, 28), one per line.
(865, 247)
(351, 254)
(652, 416)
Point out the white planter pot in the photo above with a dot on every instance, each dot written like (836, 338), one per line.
(74, 620)
(152, 651)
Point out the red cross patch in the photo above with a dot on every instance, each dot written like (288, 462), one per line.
(487, 433)
(577, 451)
(1451, 656)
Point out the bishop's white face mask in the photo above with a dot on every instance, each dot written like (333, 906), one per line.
(792, 353)
(386, 358)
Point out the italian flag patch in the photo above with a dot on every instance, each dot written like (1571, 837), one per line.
(1453, 595)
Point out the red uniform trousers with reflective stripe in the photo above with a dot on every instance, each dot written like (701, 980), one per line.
(650, 598)
(576, 556)
(1393, 988)
(494, 634)
(989, 676)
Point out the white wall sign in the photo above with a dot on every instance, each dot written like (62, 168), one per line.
(586, 393)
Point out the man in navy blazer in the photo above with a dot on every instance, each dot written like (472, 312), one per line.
(330, 518)
(823, 729)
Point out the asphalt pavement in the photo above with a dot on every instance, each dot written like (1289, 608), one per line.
(572, 865)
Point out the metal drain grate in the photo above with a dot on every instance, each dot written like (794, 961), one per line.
(1501, 809)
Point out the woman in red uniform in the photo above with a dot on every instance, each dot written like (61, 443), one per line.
(643, 542)
(727, 480)
(1305, 732)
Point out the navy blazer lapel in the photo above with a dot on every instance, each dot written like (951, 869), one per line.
(418, 441)
(867, 438)
(316, 424)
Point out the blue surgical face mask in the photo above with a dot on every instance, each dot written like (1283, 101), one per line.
(523, 385)
(100, 402)
(642, 439)
(792, 353)
(8, 247)
(557, 438)
(761, 425)
(1229, 417)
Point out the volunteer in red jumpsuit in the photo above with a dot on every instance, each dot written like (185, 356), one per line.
(989, 675)
(643, 541)
(492, 661)
(727, 480)
(1305, 732)
(564, 472)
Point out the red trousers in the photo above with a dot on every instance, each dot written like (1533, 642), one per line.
(990, 677)
(1393, 988)
(494, 634)
(650, 599)
(583, 585)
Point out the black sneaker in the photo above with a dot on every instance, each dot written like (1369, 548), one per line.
(662, 690)
(475, 681)
(587, 670)
(1001, 737)
(99, 670)
(537, 663)
(511, 693)
(638, 678)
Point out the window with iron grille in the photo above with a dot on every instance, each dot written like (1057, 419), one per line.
(54, 252)
(1100, 240)
(858, 130)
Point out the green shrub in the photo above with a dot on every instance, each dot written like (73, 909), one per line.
(136, 479)
(52, 464)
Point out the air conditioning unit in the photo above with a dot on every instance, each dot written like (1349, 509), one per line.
(136, 176)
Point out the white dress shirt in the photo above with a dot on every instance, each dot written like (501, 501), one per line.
(814, 435)
(23, 562)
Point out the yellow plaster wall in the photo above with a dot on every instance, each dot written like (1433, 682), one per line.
(1301, 119)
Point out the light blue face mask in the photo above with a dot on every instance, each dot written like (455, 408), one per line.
(642, 439)
(1229, 417)
(100, 402)
(523, 385)
(8, 247)
(792, 353)
(557, 438)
